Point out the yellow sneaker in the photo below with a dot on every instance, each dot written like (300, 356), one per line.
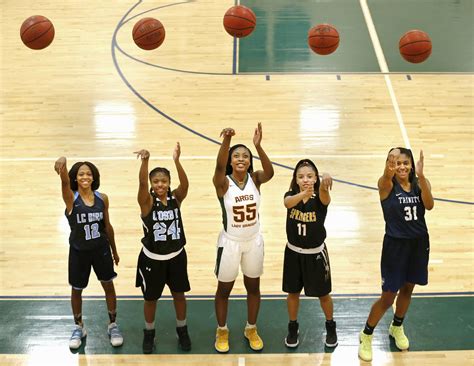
(254, 339)
(365, 346)
(401, 340)
(222, 340)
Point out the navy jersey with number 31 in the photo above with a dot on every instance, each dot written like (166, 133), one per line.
(404, 213)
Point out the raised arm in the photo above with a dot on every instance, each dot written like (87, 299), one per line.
(109, 229)
(424, 183)
(261, 176)
(60, 166)
(144, 198)
(182, 191)
(292, 201)
(324, 187)
(385, 183)
(219, 180)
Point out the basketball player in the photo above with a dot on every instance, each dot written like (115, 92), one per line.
(240, 242)
(162, 259)
(404, 196)
(90, 242)
(306, 262)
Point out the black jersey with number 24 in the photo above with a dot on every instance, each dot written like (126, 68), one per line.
(163, 228)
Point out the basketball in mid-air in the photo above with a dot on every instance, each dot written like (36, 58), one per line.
(323, 39)
(239, 21)
(415, 46)
(37, 32)
(148, 33)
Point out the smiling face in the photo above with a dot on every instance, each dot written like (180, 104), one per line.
(403, 167)
(306, 177)
(240, 160)
(160, 183)
(84, 177)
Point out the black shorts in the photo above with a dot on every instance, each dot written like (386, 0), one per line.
(81, 261)
(311, 271)
(404, 260)
(153, 275)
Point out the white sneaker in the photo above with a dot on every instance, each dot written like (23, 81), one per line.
(76, 338)
(116, 338)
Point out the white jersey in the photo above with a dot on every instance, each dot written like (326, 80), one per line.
(240, 209)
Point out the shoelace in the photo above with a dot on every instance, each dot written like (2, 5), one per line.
(77, 333)
(115, 332)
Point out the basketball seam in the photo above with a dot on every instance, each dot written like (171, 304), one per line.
(239, 28)
(319, 47)
(41, 35)
(416, 54)
(32, 25)
(413, 42)
(236, 16)
(144, 35)
(323, 36)
(147, 21)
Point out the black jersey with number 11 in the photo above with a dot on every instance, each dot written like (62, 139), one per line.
(305, 222)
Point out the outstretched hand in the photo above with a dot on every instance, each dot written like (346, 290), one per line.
(392, 160)
(177, 152)
(420, 165)
(143, 154)
(257, 136)
(326, 182)
(60, 164)
(227, 132)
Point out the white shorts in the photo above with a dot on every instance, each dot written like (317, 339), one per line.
(231, 252)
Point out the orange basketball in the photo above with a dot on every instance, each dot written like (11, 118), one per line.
(323, 39)
(148, 33)
(415, 46)
(239, 21)
(37, 32)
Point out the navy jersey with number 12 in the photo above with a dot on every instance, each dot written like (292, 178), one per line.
(87, 223)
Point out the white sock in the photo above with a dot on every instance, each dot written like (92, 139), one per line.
(250, 326)
(180, 323)
(149, 326)
(223, 328)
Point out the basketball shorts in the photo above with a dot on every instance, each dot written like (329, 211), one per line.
(309, 271)
(81, 262)
(153, 275)
(404, 260)
(232, 252)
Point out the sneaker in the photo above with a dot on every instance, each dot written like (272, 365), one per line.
(365, 346)
(116, 338)
(331, 335)
(183, 338)
(401, 340)
(148, 340)
(291, 339)
(222, 340)
(255, 342)
(76, 338)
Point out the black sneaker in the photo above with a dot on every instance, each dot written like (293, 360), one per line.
(148, 340)
(183, 338)
(331, 335)
(291, 339)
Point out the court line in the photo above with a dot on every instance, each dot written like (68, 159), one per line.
(236, 297)
(115, 45)
(384, 68)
